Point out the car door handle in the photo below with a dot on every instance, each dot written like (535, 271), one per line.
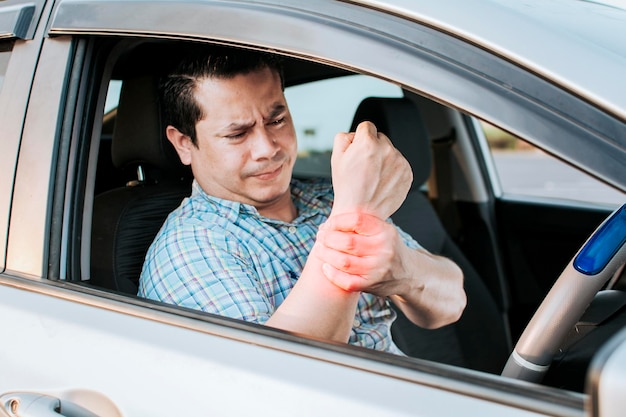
(32, 404)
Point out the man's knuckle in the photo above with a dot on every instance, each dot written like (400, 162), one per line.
(345, 263)
(350, 244)
(352, 285)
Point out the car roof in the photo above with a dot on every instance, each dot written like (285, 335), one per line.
(578, 44)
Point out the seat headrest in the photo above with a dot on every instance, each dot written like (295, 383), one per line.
(138, 135)
(401, 120)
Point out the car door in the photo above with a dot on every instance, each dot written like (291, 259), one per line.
(70, 345)
(75, 350)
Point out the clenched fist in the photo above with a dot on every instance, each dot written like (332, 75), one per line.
(369, 175)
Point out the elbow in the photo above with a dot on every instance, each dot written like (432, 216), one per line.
(454, 305)
(451, 313)
(439, 302)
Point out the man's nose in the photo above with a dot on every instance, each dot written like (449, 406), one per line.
(264, 144)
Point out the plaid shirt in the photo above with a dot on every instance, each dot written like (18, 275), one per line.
(223, 257)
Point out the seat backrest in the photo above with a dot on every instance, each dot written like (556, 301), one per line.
(479, 339)
(126, 219)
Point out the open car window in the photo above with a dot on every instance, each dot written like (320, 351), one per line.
(321, 107)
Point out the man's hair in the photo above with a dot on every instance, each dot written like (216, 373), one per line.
(177, 89)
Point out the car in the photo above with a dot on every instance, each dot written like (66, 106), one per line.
(512, 115)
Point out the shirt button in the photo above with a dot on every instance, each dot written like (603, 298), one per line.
(356, 323)
(292, 229)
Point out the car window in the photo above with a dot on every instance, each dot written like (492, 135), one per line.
(523, 169)
(321, 109)
(113, 95)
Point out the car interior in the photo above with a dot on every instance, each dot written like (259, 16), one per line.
(139, 180)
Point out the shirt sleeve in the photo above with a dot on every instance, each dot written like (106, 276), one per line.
(406, 238)
(205, 270)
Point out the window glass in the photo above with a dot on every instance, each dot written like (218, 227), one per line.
(321, 109)
(113, 95)
(524, 169)
(5, 54)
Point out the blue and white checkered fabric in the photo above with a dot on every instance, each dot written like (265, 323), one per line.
(223, 257)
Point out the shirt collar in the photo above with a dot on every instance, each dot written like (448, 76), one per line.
(306, 197)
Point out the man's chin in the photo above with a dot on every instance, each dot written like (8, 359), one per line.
(271, 195)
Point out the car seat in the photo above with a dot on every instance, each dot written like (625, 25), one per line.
(479, 339)
(126, 219)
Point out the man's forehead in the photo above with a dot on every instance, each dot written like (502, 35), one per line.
(247, 119)
(261, 83)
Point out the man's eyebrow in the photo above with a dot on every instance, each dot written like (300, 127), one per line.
(276, 110)
(234, 126)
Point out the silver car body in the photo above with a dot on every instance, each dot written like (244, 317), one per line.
(119, 356)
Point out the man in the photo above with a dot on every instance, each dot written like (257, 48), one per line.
(253, 244)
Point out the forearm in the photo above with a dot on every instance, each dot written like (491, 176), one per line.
(432, 294)
(315, 307)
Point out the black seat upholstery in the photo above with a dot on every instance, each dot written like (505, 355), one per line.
(479, 339)
(126, 219)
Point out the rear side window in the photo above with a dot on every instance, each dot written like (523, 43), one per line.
(321, 109)
(113, 96)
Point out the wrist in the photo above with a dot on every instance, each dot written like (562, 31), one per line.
(318, 263)
(338, 210)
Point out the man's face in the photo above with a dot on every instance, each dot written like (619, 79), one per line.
(246, 141)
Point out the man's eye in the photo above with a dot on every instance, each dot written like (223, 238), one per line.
(278, 121)
(236, 135)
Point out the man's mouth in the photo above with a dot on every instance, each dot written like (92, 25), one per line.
(270, 174)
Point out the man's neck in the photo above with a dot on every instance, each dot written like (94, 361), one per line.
(284, 211)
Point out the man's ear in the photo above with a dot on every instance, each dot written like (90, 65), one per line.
(182, 143)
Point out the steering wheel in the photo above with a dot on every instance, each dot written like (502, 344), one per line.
(602, 255)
